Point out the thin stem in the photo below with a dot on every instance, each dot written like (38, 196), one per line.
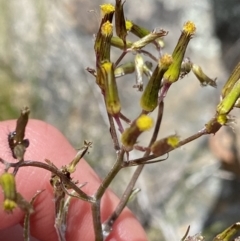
(181, 143)
(113, 133)
(96, 216)
(96, 213)
(120, 58)
(149, 55)
(124, 199)
(82, 195)
(110, 176)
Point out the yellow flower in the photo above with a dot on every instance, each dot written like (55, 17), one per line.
(144, 123)
(107, 8)
(107, 29)
(189, 27)
(129, 25)
(173, 141)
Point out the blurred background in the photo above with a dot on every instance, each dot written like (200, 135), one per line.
(45, 46)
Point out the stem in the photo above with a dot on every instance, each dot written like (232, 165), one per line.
(124, 199)
(96, 216)
(96, 212)
(120, 58)
(113, 133)
(110, 176)
(82, 195)
(181, 143)
(149, 55)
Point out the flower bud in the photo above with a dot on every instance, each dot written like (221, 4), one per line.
(217, 122)
(228, 233)
(164, 145)
(103, 42)
(118, 43)
(127, 68)
(227, 104)
(234, 77)
(130, 135)
(149, 99)
(173, 72)
(107, 11)
(110, 89)
(7, 181)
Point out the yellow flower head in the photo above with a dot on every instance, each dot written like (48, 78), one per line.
(144, 123)
(173, 141)
(129, 25)
(189, 27)
(166, 60)
(107, 8)
(107, 29)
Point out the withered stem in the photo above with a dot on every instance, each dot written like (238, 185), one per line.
(82, 195)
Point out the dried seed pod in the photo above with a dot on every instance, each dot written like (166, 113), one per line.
(120, 23)
(164, 145)
(16, 140)
(186, 67)
(202, 77)
(71, 167)
(152, 36)
(139, 63)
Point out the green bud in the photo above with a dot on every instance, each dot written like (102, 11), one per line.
(173, 72)
(227, 104)
(110, 89)
(7, 181)
(149, 99)
(202, 77)
(137, 30)
(127, 68)
(103, 42)
(234, 77)
(228, 233)
(118, 43)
